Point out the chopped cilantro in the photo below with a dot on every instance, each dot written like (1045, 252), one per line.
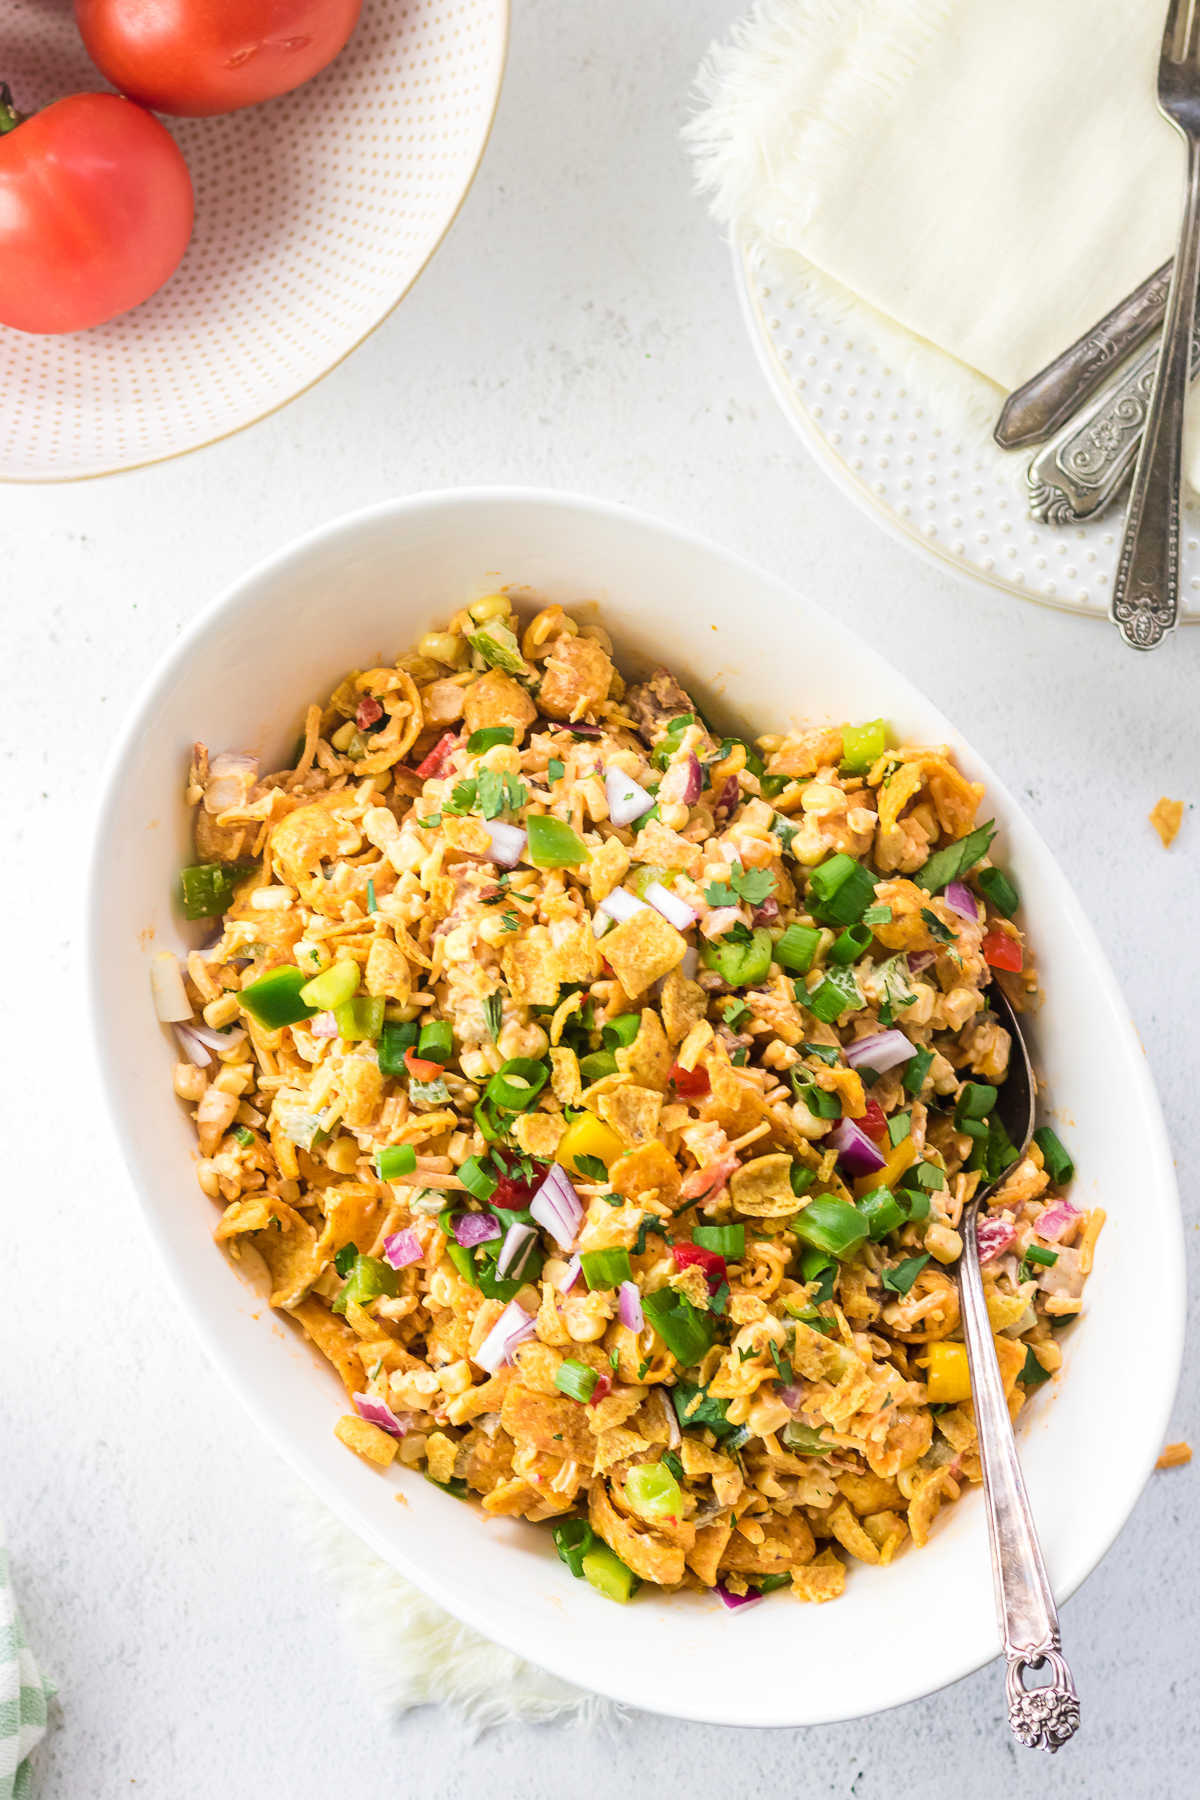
(493, 1013)
(752, 886)
(940, 933)
(554, 771)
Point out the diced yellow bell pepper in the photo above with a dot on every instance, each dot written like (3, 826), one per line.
(588, 1136)
(948, 1376)
(902, 1157)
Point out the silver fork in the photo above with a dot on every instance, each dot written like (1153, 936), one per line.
(1145, 600)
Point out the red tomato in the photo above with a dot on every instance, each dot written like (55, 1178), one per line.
(689, 1256)
(873, 1121)
(435, 762)
(512, 1192)
(212, 56)
(689, 1084)
(95, 213)
(420, 1067)
(1003, 952)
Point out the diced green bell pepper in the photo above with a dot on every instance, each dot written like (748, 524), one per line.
(275, 998)
(740, 962)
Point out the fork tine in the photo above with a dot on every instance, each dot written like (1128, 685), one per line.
(1181, 33)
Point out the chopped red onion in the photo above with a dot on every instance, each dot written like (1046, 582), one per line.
(792, 1396)
(767, 912)
(369, 712)
(690, 963)
(476, 1228)
(557, 1207)
(517, 1240)
(620, 905)
(1056, 1219)
(856, 1153)
(378, 1414)
(627, 799)
(629, 1305)
(960, 899)
(727, 799)
(675, 911)
(166, 984)
(508, 843)
(728, 1598)
(992, 1238)
(192, 1048)
(577, 728)
(402, 1248)
(512, 1328)
(695, 781)
(919, 960)
(323, 1025)
(570, 1275)
(882, 1051)
(720, 920)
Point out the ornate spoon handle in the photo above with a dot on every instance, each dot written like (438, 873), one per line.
(1084, 467)
(1041, 1717)
(1048, 398)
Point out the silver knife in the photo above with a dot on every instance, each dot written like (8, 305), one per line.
(1083, 469)
(1049, 398)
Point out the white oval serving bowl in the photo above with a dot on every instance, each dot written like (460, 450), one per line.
(315, 213)
(360, 591)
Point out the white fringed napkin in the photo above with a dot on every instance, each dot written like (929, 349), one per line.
(988, 176)
(412, 1653)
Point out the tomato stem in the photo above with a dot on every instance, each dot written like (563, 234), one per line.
(10, 118)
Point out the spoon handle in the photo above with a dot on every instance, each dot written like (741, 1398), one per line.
(1041, 1717)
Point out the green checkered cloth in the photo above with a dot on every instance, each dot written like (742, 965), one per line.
(23, 1694)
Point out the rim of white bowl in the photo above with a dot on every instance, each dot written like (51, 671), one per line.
(1128, 1479)
(268, 412)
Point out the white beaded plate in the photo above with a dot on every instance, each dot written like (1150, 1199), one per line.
(314, 215)
(948, 490)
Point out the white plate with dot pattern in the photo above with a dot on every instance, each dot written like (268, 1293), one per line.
(315, 213)
(949, 491)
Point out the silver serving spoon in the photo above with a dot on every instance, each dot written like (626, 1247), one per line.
(1046, 1716)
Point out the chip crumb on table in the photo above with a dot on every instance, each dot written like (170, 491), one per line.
(1166, 816)
(1174, 1456)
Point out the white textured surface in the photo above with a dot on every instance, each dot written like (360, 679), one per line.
(578, 328)
(929, 471)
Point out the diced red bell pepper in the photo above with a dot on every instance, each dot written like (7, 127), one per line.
(873, 1121)
(688, 1256)
(1002, 952)
(603, 1386)
(420, 1068)
(513, 1193)
(689, 1084)
(369, 712)
(438, 757)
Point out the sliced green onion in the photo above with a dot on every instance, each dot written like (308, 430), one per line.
(575, 1380)
(436, 1042)
(1046, 1259)
(606, 1268)
(882, 1211)
(553, 844)
(728, 1241)
(397, 1161)
(1058, 1163)
(850, 945)
(517, 1083)
(820, 1103)
(831, 1225)
(796, 947)
(838, 993)
(877, 915)
(818, 1266)
(975, 1101)
(620, 1032)
(372, 902)
(843, 889)
(274, 999)
(596, 1065)
(394, 1040)
(801, 1179)
(573, 1539)
(476, 1179)
(998, 888)
(244, 1136)
(805, 1440)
